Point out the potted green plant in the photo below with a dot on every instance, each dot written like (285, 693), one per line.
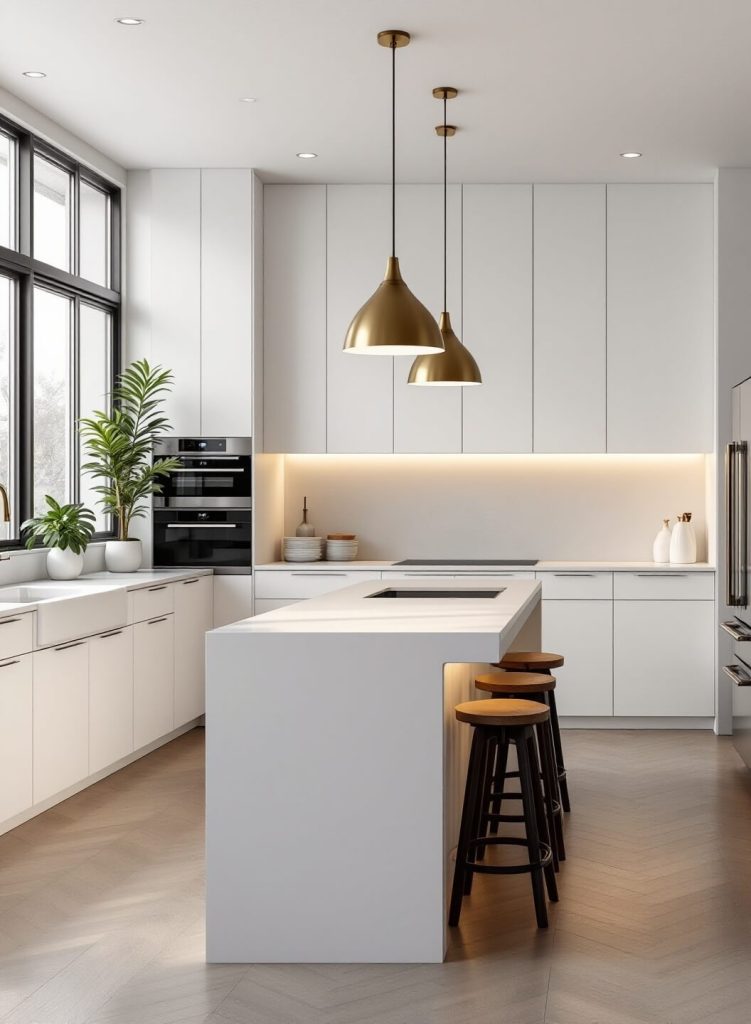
(66, 530)
(119, 446)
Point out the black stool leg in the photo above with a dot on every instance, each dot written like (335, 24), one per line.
(542, 821)
(480, 824)
(499, 781)
(469, 811)
(549, 791)
(526, 777)
(562, 783)
(550, 778)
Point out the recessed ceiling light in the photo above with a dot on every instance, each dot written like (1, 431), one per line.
(34, 74)
(631, 156)
(129, 21)
(307, 156)
(247, 99)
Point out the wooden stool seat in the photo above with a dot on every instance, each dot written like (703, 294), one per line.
(500, 713)
(530, 661)
(515, 682)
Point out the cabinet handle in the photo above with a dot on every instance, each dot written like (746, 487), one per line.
(326, 574)
(187, 583)
(661, 575)
(575, 575)
(69, 647)
(153, 590)
(737, 631)
(8, 622)
(106, 636)
(738, 674)
(153, 622)
(7, 664)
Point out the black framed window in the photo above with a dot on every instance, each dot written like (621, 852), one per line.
(59, 320)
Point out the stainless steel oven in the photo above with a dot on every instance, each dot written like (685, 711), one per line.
(737, 567)
(203, 517)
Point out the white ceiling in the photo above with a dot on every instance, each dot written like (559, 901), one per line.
(550, 89)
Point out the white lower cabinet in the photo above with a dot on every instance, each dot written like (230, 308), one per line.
(153, 679)
(15, 736)
(262, 605)
(61, 718)
(583, 632)
(194, 613)
(110, 698)
(663, 658)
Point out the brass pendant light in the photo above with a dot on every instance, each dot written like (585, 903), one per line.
(455, 366)
(393, 322)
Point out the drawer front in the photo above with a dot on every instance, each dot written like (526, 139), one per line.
(664, 586)
(16, 635)
(299, 584)
(595, 586)
(153, 601)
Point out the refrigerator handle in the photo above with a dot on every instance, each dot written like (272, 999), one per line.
(736, 517)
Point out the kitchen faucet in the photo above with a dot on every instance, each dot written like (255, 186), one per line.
(6, 505)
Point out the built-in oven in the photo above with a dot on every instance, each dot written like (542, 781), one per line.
(203, 516)
(214, 472)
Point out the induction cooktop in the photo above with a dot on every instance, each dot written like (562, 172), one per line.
(467, 561)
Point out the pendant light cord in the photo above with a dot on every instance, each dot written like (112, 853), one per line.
(393, 147)
(445, 206)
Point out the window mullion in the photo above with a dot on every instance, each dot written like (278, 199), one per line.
(75, 401)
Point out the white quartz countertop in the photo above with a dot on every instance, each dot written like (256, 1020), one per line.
(354, 610)
(95, 582)
(541, 566)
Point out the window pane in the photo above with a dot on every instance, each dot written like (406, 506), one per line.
(94, 234)
(52, 202)
(7, 191)
(7, 314)
(52, 411)
(94, 386)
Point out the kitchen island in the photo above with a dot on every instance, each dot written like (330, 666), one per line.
(335, 767)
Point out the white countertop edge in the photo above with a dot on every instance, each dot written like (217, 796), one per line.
(98, 582)
(541, 566)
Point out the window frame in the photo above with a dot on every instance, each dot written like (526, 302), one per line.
(27, 272)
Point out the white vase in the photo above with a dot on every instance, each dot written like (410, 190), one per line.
(64, 565)
(122, 555)
(683, 542)
(661, 546)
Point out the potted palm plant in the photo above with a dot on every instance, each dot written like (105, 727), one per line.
(66, 530)
(119, 447)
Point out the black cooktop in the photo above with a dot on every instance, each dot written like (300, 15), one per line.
(467, 561)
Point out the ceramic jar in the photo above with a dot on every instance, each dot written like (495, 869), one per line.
(661, 546)
(683, 541)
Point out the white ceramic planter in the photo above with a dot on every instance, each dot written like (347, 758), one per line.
(122, 555)
(64, 565)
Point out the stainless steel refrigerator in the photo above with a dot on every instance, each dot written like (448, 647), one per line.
(737, 566)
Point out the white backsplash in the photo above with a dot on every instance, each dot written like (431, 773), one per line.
(23, 566)
(576, 507)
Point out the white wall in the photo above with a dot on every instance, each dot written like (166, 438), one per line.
(577, 507)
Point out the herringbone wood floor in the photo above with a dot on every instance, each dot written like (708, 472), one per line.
(101, 909)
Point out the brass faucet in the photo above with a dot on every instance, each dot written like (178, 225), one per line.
(6, 505)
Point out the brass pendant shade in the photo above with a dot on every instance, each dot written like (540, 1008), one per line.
(454, 366)
(393, 322)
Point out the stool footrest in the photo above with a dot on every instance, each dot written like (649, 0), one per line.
(508, 869)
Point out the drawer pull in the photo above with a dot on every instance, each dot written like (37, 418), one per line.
(7, 664)
(69, 647)
(325, 574)
(9, 622)
(739, 675)
(573, 575)
(737, 631)
(153, 590)
(153, 622)
(187, 583)
(662, 575)
(106, 636)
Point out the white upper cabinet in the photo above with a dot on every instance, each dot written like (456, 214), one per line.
(294, 335)
(660, 318)
(497, 327)
(226, 302)
(569, 318)
(176, 291)
(360, 388)
(427, 419)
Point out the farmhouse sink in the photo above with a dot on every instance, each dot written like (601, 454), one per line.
(70, 611)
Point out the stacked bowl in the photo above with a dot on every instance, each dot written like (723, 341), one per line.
(302, 549)
(341, 547)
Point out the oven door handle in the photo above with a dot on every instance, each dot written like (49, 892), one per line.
(200, 472)
(202, 526)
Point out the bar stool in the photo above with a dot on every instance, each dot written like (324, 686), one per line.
(498, 723)
(528, 686)
(542, 661)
